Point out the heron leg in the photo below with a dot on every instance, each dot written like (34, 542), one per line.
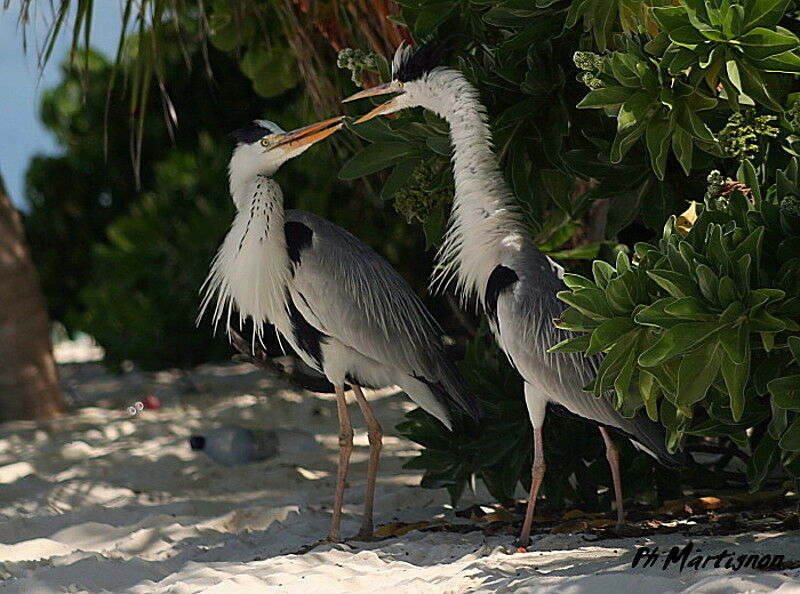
(612, 455)
(345, 448)
(537, 476)
(375, 436)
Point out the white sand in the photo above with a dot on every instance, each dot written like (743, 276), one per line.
(102, 501)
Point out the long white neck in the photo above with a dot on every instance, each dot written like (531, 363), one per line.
(484, 223)
(251, 269)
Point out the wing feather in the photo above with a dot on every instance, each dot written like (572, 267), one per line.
(356, 297)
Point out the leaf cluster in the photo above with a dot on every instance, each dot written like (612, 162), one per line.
(702, 329)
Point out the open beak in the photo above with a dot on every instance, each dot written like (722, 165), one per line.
(309, 135)
(385, 89)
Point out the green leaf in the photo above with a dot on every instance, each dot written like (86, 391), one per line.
(691, 308)
(576, 281)
(605, 97)
(374, 130)
(727, 291)
(398, 177)
(761, 462)
(440, 145)
(708, 282)
(687, 37)
(787, 62)
(679, 58)
(683, 148)
(779, 421)
(375, 157)
(674, 283)
(625, 139)
(794, 346)
(659, 132)
(761, 43)
(735, 376)
(607, 333)
(614, 361)
(679, 339)
(572, 319)
(747, 174)
(694, 124)
(571, 345)
(791, 439)
(602, 272)
(670, 18)
(736, 342)
(763, 13)
(696, 373)
(590, 302)
(633, 110)
(622, 382)
(621, 293)
(786, 391)
(655, 314)
(648, 388)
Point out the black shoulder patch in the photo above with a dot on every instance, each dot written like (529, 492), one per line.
(298, 238)
(501, 279)
(306, 336)
(250, 133)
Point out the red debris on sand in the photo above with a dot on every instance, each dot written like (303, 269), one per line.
(151, 402)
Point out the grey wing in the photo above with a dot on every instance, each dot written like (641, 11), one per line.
(359, 299)
(525, 314)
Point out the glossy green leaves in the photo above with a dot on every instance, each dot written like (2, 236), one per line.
(735, 41)
(706, 319)
(649, 106)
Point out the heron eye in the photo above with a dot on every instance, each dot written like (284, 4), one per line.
(266, 141)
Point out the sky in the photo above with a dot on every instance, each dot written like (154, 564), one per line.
(21, 133)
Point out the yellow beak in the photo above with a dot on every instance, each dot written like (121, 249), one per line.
(384, 89)
(309, 135)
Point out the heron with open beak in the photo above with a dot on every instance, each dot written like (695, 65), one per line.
(488, 257)
(342, 308)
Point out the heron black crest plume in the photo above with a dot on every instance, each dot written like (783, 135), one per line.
(415, 62)
(254, 131)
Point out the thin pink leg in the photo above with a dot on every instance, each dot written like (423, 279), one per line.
(612, 455)
(537, 476)
(375, 436)
(345, 448)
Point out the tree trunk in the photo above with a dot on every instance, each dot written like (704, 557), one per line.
(29, 386)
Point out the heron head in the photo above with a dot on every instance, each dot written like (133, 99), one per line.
(412, 80)
(263, 146)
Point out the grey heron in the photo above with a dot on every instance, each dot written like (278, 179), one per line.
(343, 309)
(488, 258)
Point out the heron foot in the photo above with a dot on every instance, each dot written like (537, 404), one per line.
(522, 544)
(332, 539)
(367, 536)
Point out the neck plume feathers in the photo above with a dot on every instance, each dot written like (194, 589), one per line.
(250, 271)
(485, 222)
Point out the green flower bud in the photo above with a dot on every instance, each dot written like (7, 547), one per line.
(741, 135)
(587, 60)
(416, 199)
(790, 205)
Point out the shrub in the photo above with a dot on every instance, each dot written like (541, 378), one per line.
(703, 328)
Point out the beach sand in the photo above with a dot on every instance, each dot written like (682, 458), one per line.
(102, 500)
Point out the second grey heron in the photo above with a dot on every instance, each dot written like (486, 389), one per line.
(489, 258)
(343, 309)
